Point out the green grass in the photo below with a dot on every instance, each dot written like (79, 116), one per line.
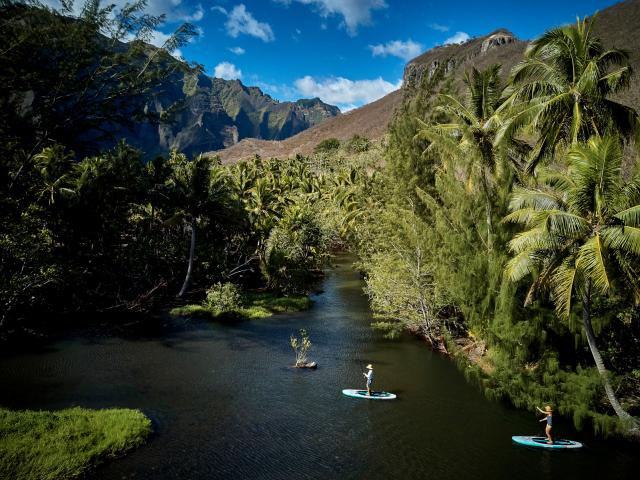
(66, 443)
(255, 306)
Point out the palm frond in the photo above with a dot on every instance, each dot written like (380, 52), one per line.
(535, 199)
(563, 284)
(623, 238)
(535, 239)
(565, 224)
(524, 216)
(520, 266)
(630, 217)
(591, 262)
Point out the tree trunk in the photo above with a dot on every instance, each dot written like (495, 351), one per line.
(487, 196)
(192, 250)
(597, 358)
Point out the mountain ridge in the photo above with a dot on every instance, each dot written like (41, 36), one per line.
(615, 25)
(214, 113)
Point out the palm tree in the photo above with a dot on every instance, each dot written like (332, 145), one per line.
(55, 166)
(582, 237)
(471, 133)
(562, 89)
(200, 190)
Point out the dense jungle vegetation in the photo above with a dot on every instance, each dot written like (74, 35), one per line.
(501, 223)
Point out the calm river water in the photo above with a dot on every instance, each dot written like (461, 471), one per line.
(225, 403)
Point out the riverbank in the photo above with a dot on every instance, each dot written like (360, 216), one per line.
(65, 444)
(226, 404)
(254, 305)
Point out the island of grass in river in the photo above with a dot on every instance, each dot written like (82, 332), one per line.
(254, 305)
(66, 443)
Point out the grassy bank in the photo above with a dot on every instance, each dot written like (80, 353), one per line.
(66, 443)
(254, 305)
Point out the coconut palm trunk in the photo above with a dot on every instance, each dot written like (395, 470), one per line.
(192, 249)
(597, 358)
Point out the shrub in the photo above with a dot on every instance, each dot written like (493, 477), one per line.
(223, 297)
(358, 144)
(327, 145)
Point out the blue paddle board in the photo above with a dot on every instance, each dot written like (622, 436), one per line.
(541, 442)
(363, 394)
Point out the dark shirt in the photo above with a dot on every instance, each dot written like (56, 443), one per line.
(549, 421)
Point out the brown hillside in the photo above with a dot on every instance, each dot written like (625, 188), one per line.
(370, 121)
(618, 26)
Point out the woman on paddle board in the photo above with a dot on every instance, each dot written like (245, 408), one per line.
(549, 419)
(369, 377)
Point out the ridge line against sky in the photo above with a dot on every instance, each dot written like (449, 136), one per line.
(346, 52)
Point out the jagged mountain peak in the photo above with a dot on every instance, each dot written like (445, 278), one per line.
(449, 57)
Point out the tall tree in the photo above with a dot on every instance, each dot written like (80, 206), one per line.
(72, 75)
(200, 192)
(582, 237)
(469, 136)
(562, 91)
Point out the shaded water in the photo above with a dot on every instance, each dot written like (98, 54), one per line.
(225, 403)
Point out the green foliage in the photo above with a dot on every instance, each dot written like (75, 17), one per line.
(399, 280)
(407, 158)
(562, 90)
(357, 144)
(66, 443)
(251, 305)
(72, 80)
(327, 145)
(293, 251)
(301, 344)
(278, 303)
(452, 175)
(223, 297)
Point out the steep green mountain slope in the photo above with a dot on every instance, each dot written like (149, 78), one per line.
(73, 80)
(213, 113)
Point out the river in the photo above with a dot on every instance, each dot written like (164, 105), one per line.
(225, 403)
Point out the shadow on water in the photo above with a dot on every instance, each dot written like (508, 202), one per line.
(225, 402)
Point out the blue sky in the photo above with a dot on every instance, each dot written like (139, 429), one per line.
(347, 52)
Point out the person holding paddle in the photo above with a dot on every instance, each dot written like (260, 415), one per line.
(369, 377)
(549, 419)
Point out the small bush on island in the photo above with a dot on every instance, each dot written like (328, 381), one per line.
(301, 345)
(66, 443)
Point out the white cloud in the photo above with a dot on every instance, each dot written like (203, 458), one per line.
(438, 27)
(343, 92)
(282, 91)
(158, 38)
(174, 10)
(228, 71)
(237, 50)
(353, 12)
(459, 37)
(405, 50)
(240, 21)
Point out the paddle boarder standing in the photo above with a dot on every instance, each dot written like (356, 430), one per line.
(549, 419)
(369, 377)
